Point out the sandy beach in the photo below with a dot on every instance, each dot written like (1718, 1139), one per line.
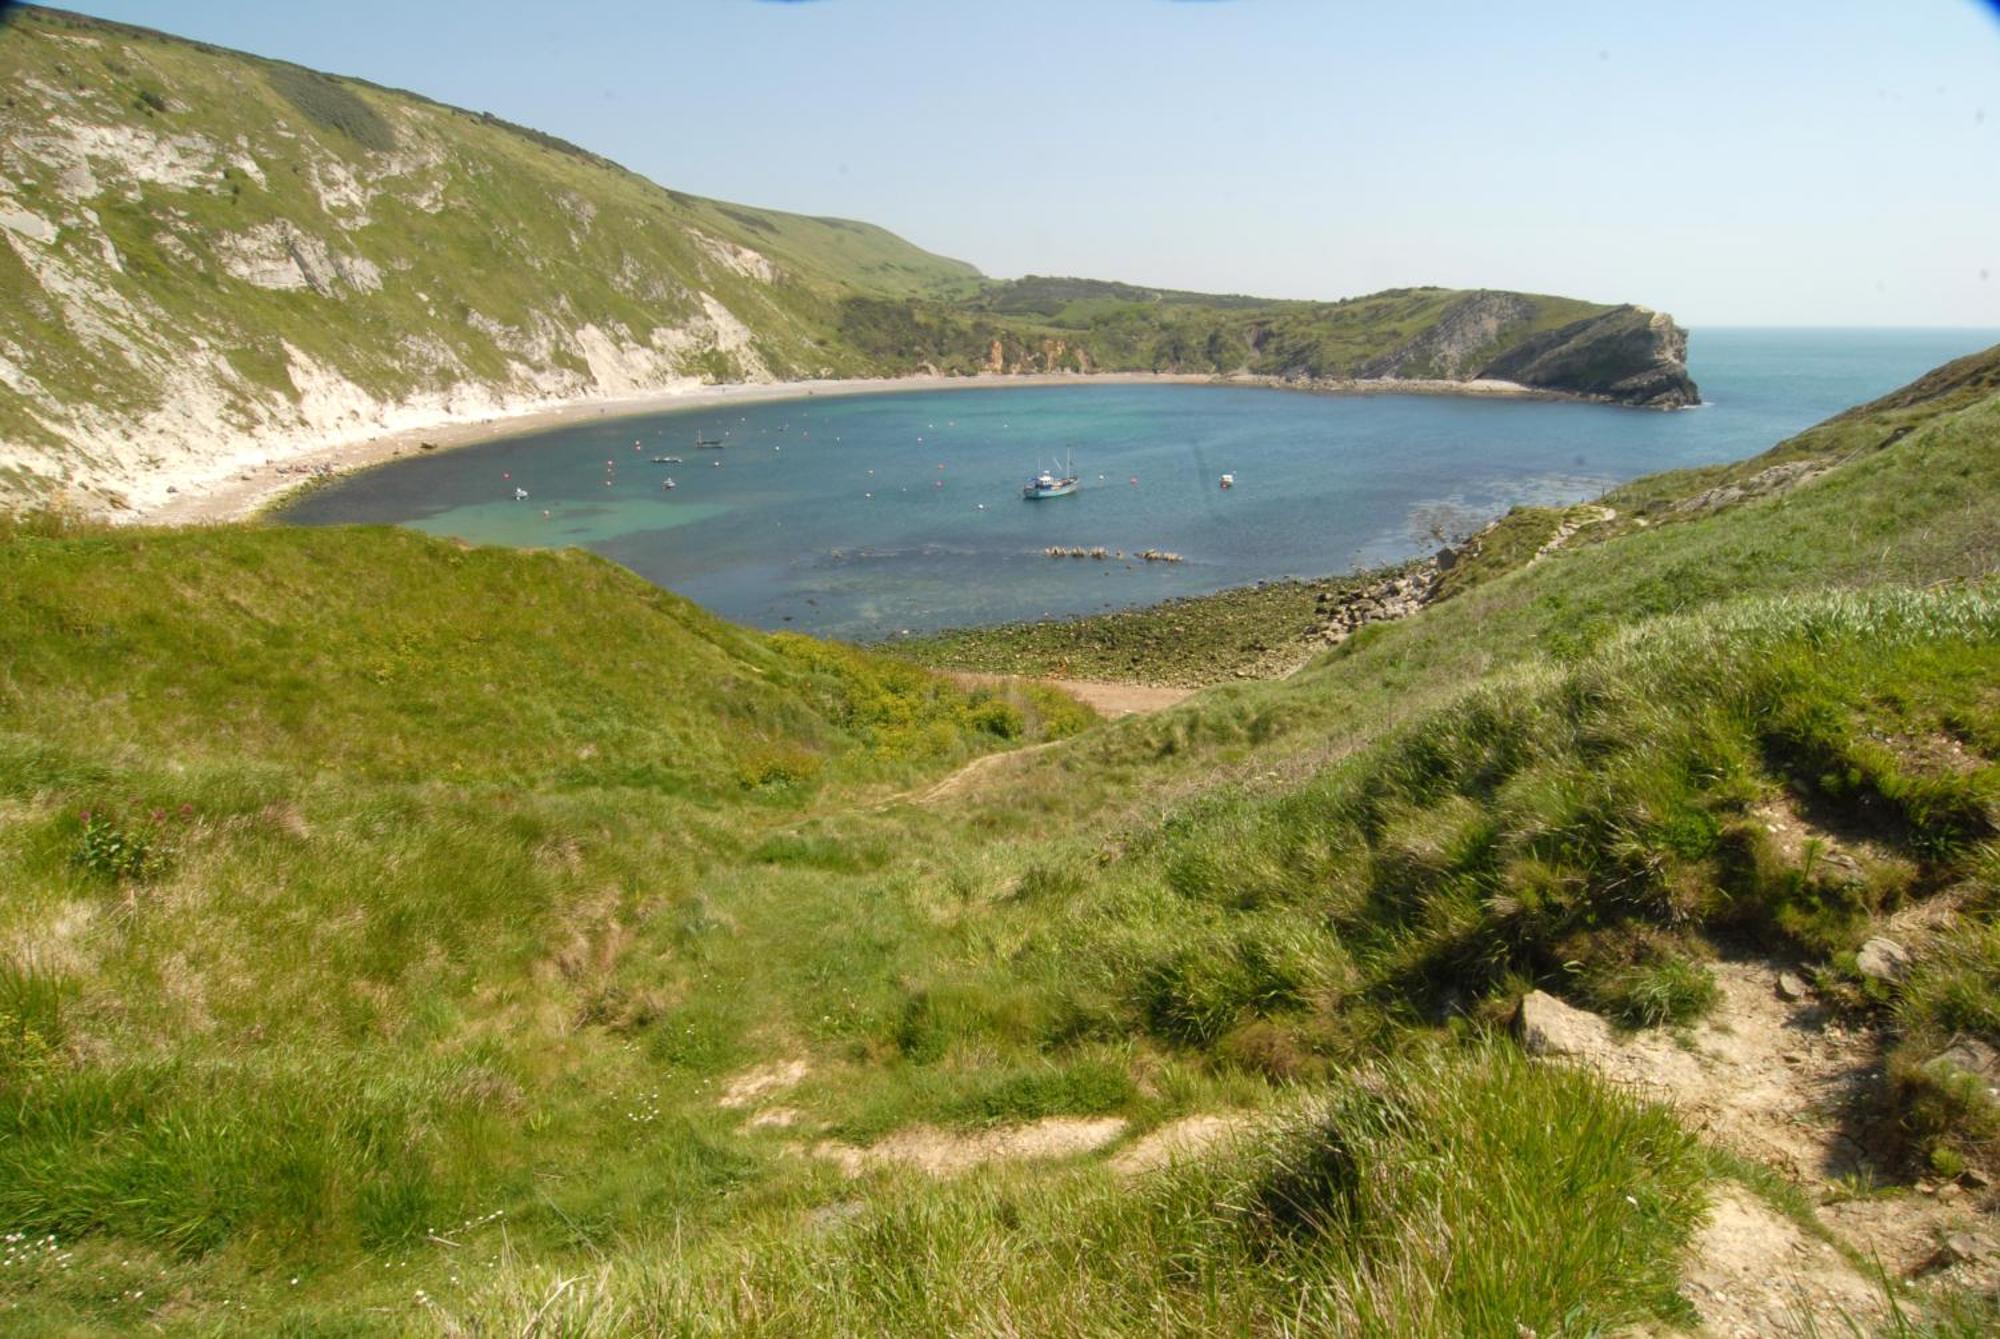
(249, 491)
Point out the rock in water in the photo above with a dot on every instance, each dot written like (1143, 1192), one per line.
(1547, 1026)
(1882, 959)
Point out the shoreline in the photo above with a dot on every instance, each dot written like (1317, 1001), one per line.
(256, 490)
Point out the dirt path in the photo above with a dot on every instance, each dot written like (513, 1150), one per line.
(965, 777)
(1110, 700)
(1772, 1075)
(1594, 514)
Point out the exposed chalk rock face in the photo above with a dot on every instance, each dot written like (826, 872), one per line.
(279, 256)
(736, 258)
(25, 223)
(215, 279)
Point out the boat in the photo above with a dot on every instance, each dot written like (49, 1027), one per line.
(702, 443)
(1228, 482)
(666, 460)
(1049, 484)
(669, 485)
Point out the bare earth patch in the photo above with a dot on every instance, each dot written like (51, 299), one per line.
(753, 1085)
(949, 1153)
(1802, 842)
(1940, 1237)
(1110, 700)
(1782, 1083)
(1755, 1273)
(1777, 1081)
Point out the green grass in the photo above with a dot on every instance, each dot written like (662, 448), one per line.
(1428, 1197)
(430, 898)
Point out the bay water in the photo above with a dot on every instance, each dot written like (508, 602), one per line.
(867, 517)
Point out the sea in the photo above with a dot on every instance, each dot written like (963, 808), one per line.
(871, 517)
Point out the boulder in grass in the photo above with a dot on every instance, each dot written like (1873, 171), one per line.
(1548, 1027)
(1883, 959)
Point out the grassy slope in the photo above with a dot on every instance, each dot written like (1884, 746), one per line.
(453, 925)
(529, 230)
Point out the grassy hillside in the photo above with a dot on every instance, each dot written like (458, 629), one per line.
(325, 245)
(402, 936)
(211, 257)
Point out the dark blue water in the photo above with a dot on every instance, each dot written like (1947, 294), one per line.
(865, 516)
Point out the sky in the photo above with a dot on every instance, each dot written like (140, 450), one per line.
(1780, 162)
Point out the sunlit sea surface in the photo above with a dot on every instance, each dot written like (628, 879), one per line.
(867, 516)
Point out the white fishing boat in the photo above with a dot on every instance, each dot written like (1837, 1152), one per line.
(1049, 484)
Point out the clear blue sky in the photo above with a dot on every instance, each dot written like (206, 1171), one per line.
(1815, 162)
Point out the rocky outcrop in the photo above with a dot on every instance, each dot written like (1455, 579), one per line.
(1336, 617)
(1628, 355)
(1452, 348)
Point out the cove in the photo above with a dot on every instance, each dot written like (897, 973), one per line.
(869, 516)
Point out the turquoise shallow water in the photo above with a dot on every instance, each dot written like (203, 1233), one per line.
(865, 516)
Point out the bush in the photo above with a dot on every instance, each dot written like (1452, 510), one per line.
(777, 767)
(996, 718)
(116, 848)
(331, 104)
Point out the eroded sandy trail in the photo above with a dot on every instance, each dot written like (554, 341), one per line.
(1773, 1074)
(1109, 700)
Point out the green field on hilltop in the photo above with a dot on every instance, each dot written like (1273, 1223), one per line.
(403, 936)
